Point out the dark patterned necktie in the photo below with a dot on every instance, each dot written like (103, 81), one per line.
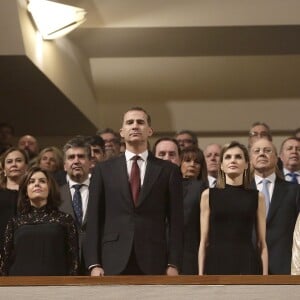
(135, 179)
(294, 177)
(77, 202)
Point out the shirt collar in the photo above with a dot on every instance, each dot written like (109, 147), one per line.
(286, 171)
(211, 179)
(259, 179)
(129, 155)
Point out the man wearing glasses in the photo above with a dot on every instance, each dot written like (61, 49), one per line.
(282, 202)
(259, 130)
(186, 139)
(112, 142)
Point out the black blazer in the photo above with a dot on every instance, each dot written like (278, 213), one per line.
(115, 226)
(281, 221)
(67, 207)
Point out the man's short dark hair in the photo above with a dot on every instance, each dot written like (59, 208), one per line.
(192, 134)
(78, 141)
(110, 130)
(162, 139)
(138, 108)
(96, 140)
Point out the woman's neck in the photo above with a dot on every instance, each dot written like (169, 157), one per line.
(234, 180)
(12, 184)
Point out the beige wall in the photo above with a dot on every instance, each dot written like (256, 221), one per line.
(222, 117)
(62, 63)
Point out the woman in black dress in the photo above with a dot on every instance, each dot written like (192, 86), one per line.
(228, 215)
(194, 173)
(40, 240)
(13, 167)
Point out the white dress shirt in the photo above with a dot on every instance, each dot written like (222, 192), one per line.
(259, 185)
(211, 181)
(142, 162)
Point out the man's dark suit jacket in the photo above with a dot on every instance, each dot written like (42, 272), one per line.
(281, 221)
(67, 207)
(115, 226)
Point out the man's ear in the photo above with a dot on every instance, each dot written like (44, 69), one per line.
(150, 132)
(121, 132)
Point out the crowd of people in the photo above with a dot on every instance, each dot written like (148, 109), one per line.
(108, 204)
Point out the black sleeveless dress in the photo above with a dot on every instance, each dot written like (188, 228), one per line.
(232, 219)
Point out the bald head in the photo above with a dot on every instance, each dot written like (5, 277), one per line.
(212, 154)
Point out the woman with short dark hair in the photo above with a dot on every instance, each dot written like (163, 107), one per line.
(194, 173)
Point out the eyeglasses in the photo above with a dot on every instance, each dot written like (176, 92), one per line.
(263, 150)
(260, 134)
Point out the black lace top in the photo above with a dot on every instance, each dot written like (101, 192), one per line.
(40, 242)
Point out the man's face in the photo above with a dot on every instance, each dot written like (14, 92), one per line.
(77, 164)
(112, 147)
(97, 154)
(258, 132)
(6, 135)
(290, 155)
(263, 156)
(135, 129)
(167, 150)
(29, 144)
(184, 140)
(212, 158)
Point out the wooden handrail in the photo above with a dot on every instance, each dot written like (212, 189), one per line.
(149, 280)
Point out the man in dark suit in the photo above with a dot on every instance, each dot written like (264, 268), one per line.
(77, 163)
(282, 206)
(126, 232)
(290, 157)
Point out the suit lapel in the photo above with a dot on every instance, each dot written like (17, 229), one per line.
(278, 194)
(66, 198)
(151, 174)
(122, 177)
(67, 204)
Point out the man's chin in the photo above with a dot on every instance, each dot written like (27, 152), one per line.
(77, 177)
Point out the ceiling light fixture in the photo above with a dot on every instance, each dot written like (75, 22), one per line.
(54, 20)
